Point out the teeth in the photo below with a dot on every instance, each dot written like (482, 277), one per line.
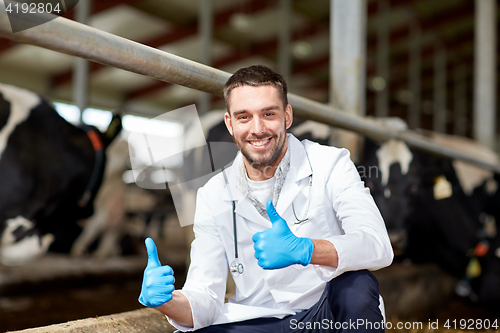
(259, 143)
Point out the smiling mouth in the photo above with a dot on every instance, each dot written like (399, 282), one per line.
(260, 143)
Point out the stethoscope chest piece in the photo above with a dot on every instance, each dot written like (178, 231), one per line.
(236, 268)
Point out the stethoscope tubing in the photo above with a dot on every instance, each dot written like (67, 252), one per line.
(234, 231)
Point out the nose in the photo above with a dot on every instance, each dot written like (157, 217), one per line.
(258, 126)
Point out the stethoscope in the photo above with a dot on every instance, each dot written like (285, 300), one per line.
(236, 267)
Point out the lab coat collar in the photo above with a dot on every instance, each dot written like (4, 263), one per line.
(299, 169)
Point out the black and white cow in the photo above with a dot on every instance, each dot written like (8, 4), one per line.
(50, 172)
(422, 202)
(432, 214)
(426, 200)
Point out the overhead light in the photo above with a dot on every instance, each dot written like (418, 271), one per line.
(378, 83)
(404, 96)
(241, 22)
(302, 49)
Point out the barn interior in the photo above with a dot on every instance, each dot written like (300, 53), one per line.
(432, 64)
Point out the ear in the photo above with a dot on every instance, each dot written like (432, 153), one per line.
(288, 116)
(227, 121)
(114, 128)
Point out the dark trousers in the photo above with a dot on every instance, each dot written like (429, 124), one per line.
(350, 302)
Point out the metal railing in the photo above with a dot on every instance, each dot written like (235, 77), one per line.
(73, 38)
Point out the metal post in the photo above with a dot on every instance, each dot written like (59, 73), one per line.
(460, 101)
(205, 33)
(414, 75)
(348, 62)
(439, 114)
(348, 55)
(382, 96)
(284, 39)
(485, 72)
(81, 66)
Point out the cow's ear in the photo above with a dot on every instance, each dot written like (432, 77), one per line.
(114, 128)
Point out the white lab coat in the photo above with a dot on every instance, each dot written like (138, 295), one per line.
(342, 210)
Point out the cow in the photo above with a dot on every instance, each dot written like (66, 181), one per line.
(434, 210)
(426, 200)
(106, 224)
(50, 173)
(486, 281)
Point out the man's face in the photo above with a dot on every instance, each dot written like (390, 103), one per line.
(258, 123)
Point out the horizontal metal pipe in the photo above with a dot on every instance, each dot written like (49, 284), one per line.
(80, 40)
(308, 109)
(73, 38)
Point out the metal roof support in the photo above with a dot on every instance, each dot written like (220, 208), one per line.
(205, 33)
(439, 118)
(485, 40)
(284, 39)
(73, 38)
(414, 75)
(348, 55)
(348, 62)
(460, 100)
(383, 27)
(80, 87)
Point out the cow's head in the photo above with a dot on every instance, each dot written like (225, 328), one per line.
(386, 171)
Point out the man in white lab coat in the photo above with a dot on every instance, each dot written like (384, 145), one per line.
(302, 266)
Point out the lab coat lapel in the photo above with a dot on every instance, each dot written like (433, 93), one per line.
(299, 169)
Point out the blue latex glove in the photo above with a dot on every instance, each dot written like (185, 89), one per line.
(158, 281)
(278, 247)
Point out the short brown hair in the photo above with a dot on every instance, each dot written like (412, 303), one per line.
(255, 76)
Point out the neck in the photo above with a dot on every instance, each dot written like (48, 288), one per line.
(260, 173)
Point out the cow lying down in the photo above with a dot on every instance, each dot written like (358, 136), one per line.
(50, 172)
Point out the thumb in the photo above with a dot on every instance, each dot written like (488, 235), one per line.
(272, 213)
(153, 260)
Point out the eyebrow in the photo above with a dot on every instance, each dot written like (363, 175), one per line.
(267, 108)
(272, 107)
(235, 113)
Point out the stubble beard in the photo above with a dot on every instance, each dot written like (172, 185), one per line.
(278, 148)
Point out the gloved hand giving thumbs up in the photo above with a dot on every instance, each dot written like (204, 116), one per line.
(158, 281)
(278, 247)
